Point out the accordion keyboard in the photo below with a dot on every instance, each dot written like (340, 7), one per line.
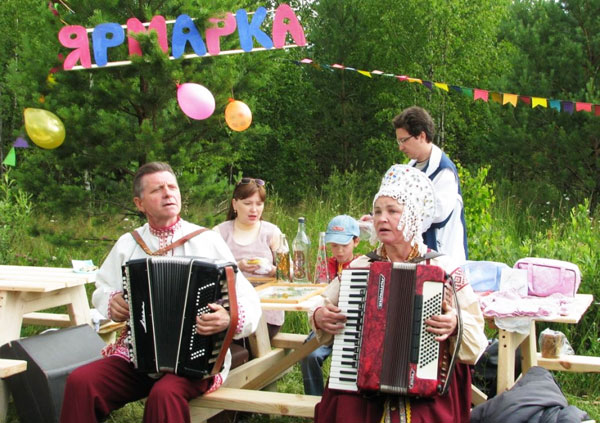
(344, 358)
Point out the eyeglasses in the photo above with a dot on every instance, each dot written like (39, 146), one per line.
(404, 139)
(246, 181)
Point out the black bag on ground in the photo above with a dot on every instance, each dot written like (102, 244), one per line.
(51, 357)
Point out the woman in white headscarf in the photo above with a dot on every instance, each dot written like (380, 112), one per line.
(404, 205)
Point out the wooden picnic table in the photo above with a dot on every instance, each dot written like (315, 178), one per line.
(27, 290)
(510, 341)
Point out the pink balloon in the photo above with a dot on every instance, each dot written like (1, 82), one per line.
(195, 100)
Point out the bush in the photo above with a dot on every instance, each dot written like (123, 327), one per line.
(15, 207)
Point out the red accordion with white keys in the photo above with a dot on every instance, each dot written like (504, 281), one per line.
(384, 346)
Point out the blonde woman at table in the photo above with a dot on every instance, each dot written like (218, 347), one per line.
(404, 203)
(252, 240)
(93, 390)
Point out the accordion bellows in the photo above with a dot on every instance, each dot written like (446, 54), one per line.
(165, 294)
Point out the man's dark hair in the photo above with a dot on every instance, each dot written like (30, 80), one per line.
(147, 169)
(415, 120)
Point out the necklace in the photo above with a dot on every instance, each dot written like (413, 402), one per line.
(414, 252)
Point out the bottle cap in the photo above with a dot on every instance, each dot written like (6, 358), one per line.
(300, 220)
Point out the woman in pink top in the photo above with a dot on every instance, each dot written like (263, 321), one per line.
(252, 240)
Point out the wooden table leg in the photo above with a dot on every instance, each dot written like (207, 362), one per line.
(529, 350)
(508, 343)
(260, 344)
(282, 365)
(79, 307)
(11, 315)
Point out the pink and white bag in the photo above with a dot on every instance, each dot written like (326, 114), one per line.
(548, 276)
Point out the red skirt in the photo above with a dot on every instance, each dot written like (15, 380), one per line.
(350, 407)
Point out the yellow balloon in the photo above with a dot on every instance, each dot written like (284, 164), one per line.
(44, 128)
(238, 116)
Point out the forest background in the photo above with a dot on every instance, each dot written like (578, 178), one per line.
(320, 137)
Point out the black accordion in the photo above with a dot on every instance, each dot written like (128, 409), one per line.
(165, 294)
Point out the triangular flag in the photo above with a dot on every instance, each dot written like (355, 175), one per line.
(456, 88)
(480, 95)
(428, 84)
(402, 77)
(442, 86)
(586, 107)
(497, 97)
(510, 99)
(11, 158)
(377, 72)
(365, 73)
(337, 66)
(524, 99)
(20, 142)
(306, 61)
(537, 101)
(596, 109)
(555, 104)
(417, 80)
(567, 106)
(350, 69)
(468, 92)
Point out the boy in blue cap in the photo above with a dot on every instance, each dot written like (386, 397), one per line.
(342, 236)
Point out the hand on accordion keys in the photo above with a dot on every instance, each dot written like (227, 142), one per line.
(119, 308)
(215, 322)
(329, 318)
(443, 325)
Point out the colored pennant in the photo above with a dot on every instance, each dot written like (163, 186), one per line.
(365, 73)
(442, 86)
(11, 158)
(510, 99)
(537, 101)
(567, 106)
(480, 94)
(583, 107)
(20, 142)
(555, 104)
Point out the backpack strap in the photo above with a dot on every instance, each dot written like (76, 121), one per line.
(162, 251)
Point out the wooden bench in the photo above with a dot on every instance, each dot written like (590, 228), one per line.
(259, 402)
(570, 363)
(11, 367)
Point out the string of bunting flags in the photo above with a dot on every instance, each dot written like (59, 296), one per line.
(473, 93)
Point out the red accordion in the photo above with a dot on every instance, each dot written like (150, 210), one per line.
(384, 346)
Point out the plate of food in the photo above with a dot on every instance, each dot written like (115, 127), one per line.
(282, 292)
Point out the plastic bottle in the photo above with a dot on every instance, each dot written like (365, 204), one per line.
(282, 258)
(321, 269)
(300, 249)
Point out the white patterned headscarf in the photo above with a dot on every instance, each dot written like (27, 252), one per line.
(413, 190)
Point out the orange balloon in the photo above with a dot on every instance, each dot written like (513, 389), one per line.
(238, 116)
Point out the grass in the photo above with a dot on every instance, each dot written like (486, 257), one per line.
(513, 230)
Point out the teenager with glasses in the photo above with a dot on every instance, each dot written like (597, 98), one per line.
(252, 240)
(414, 133)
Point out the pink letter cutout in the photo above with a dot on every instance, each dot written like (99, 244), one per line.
(213, 35)
(80, 43)
(158, 23)
(280, 28)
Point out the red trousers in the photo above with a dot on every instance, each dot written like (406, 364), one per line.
(95, 389)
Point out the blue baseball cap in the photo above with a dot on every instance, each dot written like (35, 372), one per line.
(341, 230)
